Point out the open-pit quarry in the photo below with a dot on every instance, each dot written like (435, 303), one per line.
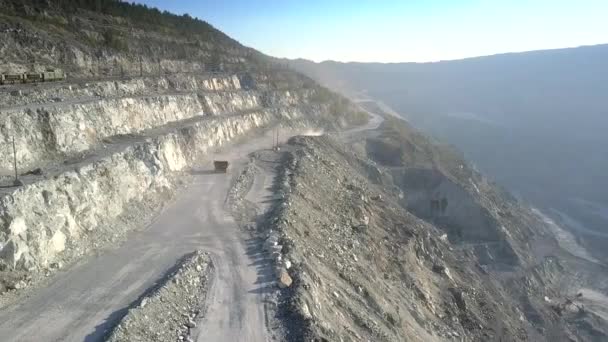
(349, 231)
(334, 220)
(117, 185)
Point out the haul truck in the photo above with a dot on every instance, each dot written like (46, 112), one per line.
(220, 166)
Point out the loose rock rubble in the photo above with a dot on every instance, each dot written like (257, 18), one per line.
(170, 311)
(362, 266)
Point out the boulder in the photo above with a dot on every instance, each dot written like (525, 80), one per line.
(284, 279)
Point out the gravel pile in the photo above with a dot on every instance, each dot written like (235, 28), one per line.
(169, 312)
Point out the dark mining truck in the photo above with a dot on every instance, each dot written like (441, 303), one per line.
(221, 166)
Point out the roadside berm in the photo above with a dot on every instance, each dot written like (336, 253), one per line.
(169, 312)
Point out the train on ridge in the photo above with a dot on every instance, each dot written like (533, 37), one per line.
(50, 75)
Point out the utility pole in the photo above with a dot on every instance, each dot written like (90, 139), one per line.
(16, 182)
(141, 68)
(275, 139)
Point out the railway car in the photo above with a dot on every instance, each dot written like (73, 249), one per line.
(50, 75)
(12, 78)
(32, 77)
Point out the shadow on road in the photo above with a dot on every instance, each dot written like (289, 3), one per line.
(263, 266)
(8, 186)
(260, 258)
(204, 172)
(102, 331)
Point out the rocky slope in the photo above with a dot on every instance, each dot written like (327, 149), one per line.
(111, 38)
(506, 102)
(371, 260)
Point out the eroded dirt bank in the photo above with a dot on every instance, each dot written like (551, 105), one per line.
(370, 261)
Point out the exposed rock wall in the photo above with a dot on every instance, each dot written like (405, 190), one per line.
(62, 130)
(42, 219)
(63, 91)
(99, 152)
(105, 147)
(85, 116)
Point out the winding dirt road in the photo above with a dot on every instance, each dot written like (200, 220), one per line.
(83, 302)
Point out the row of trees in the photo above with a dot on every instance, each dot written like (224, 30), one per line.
(72, 15)
(139, 14)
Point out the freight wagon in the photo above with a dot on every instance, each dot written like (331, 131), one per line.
(49, 75)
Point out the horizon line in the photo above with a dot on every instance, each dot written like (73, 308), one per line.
(444, 60)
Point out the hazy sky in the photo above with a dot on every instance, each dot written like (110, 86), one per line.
(401, 31)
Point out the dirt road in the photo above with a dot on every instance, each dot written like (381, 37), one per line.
(83, 302)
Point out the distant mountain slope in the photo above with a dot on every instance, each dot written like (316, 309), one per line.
(535, 121)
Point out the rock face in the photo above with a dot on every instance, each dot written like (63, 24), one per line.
(79, 199)
(405, 276)
(78, 203)
(88, 114)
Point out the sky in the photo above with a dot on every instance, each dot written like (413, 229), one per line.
(400, 31)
